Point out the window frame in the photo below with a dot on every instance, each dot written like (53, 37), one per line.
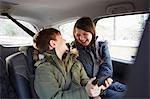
(14, 44)
(95, 20)
(58, 25)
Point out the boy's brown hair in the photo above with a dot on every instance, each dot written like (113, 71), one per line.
(43, 38)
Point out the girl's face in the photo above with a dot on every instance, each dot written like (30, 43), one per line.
(83, 37)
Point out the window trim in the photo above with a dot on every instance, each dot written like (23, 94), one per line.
(95, 20)
(17, 45)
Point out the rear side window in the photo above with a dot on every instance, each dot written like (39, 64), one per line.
(66, 29)
(13, 35)
(123, 34)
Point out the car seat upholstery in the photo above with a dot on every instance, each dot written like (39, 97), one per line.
(1, 47)
(6, 51)
(6, 90)
(28, 52)
(20, 75)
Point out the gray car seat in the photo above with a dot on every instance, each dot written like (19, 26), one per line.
(20, 75)
(6, 90)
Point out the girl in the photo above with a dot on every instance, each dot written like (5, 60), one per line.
(95, 57)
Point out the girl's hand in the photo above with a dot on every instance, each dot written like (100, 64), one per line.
(108, 82)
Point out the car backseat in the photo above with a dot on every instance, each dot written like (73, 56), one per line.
(6, 90)
(28, 52)
(21, 72)
(6, 51)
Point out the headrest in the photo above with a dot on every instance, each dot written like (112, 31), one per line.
(17, 62)
(28, 52)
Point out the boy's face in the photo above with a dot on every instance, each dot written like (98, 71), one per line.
(83, 37)
(60, 43)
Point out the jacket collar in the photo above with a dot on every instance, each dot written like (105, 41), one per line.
(64, 65)
(86, 48)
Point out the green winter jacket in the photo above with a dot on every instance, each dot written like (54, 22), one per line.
(60, 79)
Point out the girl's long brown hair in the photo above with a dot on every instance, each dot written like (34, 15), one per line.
(86, 24)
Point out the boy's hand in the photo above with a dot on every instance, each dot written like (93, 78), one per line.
(93, 90)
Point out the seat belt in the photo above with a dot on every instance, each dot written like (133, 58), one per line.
(19, 24)
(95, 65)
(31, 77)
(97, 62)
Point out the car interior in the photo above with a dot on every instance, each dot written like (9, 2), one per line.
(123, 23)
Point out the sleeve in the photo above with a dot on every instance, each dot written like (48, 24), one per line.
(83, 75)
(106, 68)
(47, 86)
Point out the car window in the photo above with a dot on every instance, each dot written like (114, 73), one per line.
(66, 28)
(123, 34)
(13, 35)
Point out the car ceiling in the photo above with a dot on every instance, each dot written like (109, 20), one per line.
(48, 12)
